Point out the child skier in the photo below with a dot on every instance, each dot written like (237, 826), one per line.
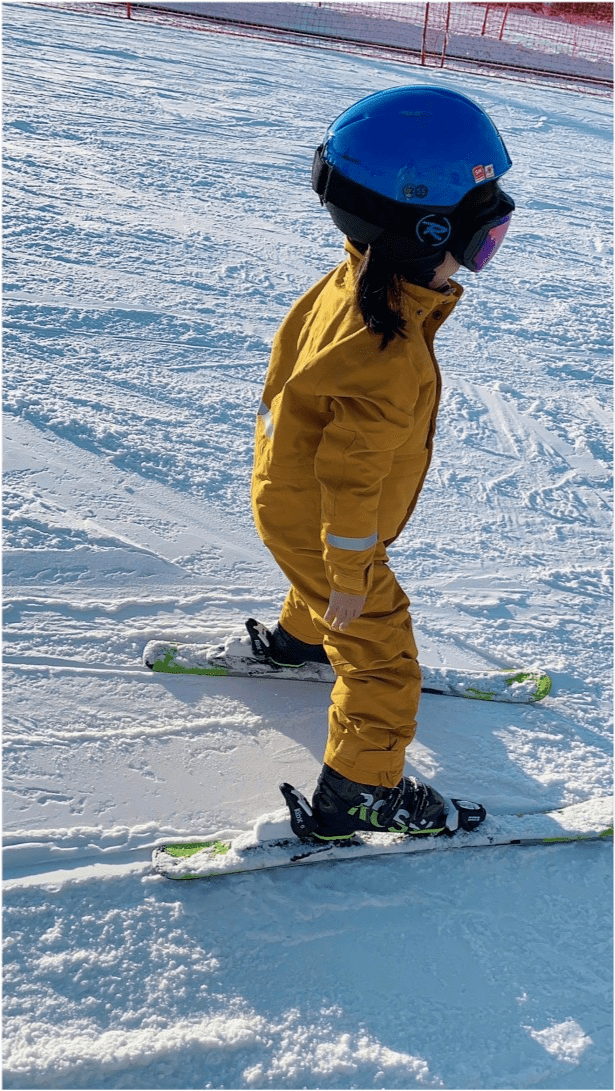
(345, 430)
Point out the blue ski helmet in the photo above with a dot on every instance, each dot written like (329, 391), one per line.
(412, 172)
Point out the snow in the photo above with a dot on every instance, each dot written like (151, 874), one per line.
(158, 225)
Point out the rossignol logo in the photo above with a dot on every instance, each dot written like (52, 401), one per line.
(433, 230)
(399, 823)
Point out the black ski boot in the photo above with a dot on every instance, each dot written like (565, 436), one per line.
(340, 807)
(280, 649)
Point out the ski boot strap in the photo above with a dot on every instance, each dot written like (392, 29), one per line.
(464, 815)
(302, 820)
(261, 640)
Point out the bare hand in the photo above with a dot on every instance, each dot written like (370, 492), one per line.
(343, 609)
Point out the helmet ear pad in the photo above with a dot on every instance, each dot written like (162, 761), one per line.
(353, 226)
(400, 250)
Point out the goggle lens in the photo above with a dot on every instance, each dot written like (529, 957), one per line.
(486, 244)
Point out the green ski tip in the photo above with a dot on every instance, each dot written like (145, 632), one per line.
(169, 665)
(216, 848)
(542, 682)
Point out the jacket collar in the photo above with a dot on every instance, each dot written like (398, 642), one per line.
(423, 301)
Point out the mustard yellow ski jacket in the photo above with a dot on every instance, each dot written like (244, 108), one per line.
(344, 431)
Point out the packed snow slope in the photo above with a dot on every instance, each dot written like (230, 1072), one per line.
(158, 224)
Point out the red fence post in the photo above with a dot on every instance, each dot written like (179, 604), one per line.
(424, 33)
(506, 10)
(446, 30)
(485, 20)
(128, 11)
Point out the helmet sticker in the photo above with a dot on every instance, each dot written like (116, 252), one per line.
(433, 230)
(481, 172)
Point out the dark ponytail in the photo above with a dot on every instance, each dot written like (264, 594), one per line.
(378, 297)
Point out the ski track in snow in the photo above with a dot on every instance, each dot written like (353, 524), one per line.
(158, 225)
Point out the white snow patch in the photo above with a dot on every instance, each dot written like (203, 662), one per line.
(567, 1041)
(271, 826)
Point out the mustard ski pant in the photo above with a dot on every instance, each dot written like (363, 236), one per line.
(376, 694)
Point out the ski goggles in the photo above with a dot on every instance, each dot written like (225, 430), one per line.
(488, 235)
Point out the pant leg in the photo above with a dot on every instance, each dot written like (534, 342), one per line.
(375, 698)
(296, 619)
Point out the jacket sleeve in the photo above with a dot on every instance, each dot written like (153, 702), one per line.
(354, 457)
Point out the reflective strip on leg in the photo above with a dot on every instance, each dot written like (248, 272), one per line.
(353, 543)
(265, 415)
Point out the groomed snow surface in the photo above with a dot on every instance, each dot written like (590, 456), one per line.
(158, 224)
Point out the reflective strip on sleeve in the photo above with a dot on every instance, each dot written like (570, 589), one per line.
(352, 543)
(267, 419)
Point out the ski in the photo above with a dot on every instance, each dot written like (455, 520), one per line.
(236, 659)
(271, 843)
